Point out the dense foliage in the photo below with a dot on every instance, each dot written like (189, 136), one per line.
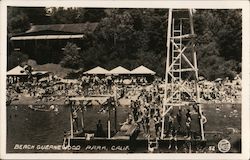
(16, 58)
(133, 37)
(71, 56)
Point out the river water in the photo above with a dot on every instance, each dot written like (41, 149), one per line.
(28, 127)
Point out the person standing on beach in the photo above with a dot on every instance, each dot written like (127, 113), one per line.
(75, 120)
(170, 122)
(179, 119)
(188, 127)
(99, 129)
(147, 119)
(157, 120)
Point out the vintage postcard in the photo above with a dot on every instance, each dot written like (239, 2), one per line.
(125, 79)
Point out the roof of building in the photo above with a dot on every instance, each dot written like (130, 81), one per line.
(39, 37)
(73, 28)
(57, 31)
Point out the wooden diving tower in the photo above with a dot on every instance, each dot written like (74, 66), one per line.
(181, 78)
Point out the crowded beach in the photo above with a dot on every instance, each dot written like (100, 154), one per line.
(47, 88)
(139, 89)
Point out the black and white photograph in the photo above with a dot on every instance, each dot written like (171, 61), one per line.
(87, 80)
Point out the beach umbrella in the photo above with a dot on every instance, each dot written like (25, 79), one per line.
(201, 78)
(43, 79)
(218, 79)
(127, 81)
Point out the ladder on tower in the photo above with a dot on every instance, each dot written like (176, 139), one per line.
(181, 65)
(176, 59)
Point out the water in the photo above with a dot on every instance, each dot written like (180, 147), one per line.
(26, 126)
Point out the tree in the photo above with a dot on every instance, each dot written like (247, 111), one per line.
(18, 21)
(63, 15)
(15, 58)
(71, 56)
(94, 15)
(133, 37)
(218, 42)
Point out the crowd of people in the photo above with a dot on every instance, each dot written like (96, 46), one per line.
(52, 87)
(146, 100)
(147, 110)
(225, 91)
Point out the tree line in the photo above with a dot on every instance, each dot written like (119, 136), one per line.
(133, 37)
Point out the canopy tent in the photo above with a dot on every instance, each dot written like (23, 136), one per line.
(20, 71)
(142, 70)
(17, 71)
(119, 70)
(97, 70)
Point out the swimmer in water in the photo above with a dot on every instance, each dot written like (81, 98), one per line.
(56, 109)
(233, 107)
(52, 107)
(217, 108)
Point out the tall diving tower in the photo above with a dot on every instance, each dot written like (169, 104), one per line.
(181, 77)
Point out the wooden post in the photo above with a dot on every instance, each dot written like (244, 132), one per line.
(71, 123)
(190, 147)
(115, 119)
(82, 118)
(167, 65)
(116, 104)
(196, 74)
(109, 136)
(109, 125)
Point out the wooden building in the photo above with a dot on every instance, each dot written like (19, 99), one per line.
(45, 43)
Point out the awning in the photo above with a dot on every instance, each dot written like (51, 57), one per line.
(97, 70)
(44, 37)
(142, 70)
(17, 71)
(119, 70)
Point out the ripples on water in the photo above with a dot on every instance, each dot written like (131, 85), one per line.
(26, 126)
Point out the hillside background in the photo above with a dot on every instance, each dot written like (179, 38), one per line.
(133, 37)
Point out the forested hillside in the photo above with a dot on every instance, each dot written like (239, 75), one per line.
(133, 37)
